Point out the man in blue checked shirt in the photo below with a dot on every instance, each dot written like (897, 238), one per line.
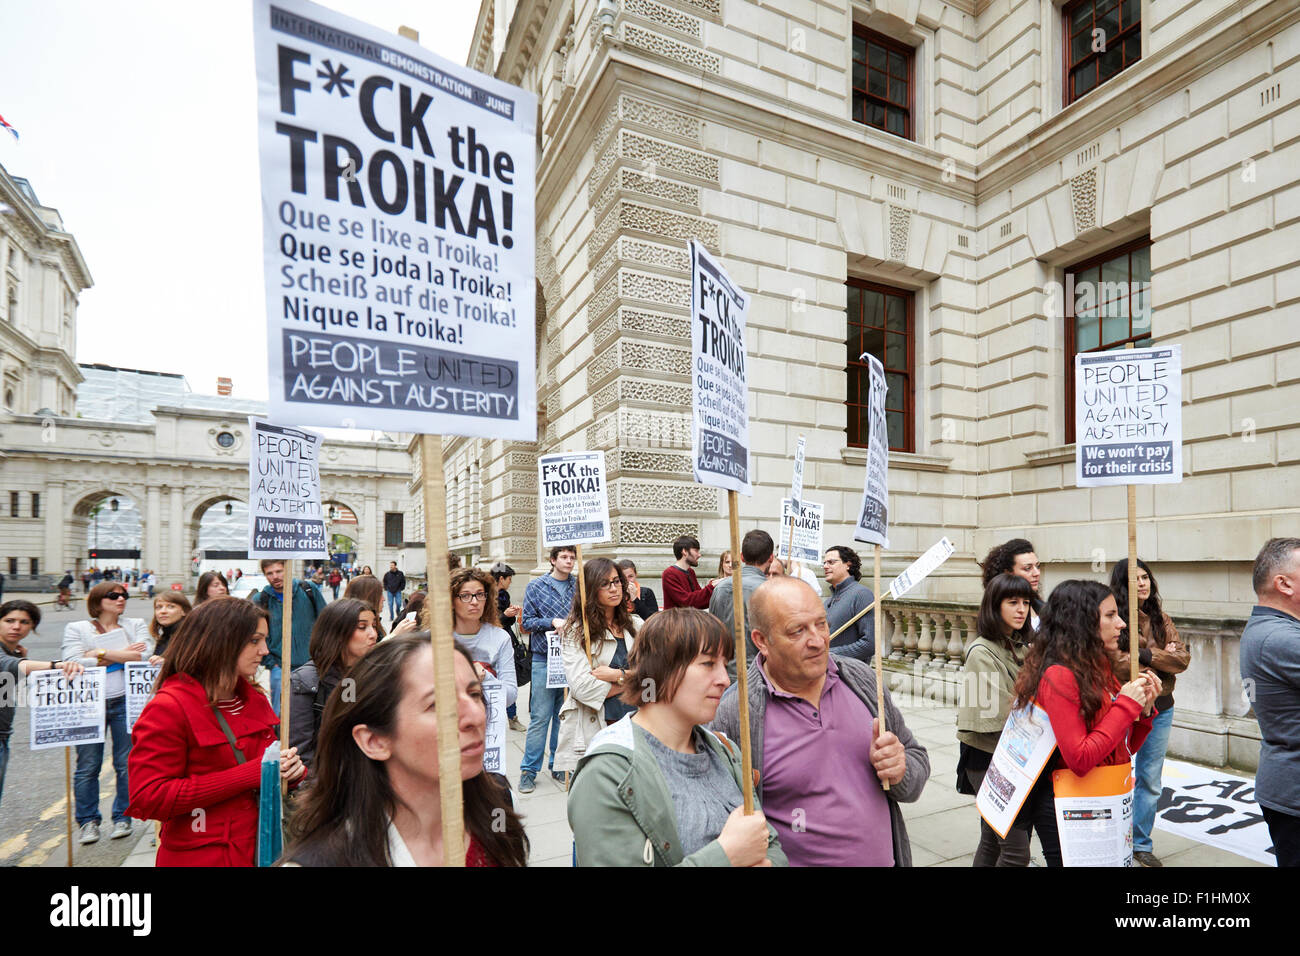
(547, 602)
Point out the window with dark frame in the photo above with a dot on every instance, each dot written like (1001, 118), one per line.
(13, 504)
(1101, 38)
(13, 565)
(882, 83)
(1107, 306)
(393, 530)
(880, 322)
(36, 505)
(36, 566)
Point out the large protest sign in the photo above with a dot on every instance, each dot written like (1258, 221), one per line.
(1128, 425)
(719, 376)
(1022, 752)
(140, 676)
(873, 516)
(796, 482)
(1214, 807)
(285, 519)
(574, 498)
(494, 739)
(398, 231)
(67, 710)
(1094, 816)
(555, 676)
(807, 532)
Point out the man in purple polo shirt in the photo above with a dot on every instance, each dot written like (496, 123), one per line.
(816, 739)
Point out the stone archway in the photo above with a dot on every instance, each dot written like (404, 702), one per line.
(343, 526)
(106, 528)
(218, 522)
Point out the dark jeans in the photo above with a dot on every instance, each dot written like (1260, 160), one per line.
(4, 762)
(90, 757)
(992, 849)
(1284, 828)
(1041, 815)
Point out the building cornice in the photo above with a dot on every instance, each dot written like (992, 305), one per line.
(63, 242)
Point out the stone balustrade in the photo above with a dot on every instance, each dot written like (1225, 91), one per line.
(1213, 719)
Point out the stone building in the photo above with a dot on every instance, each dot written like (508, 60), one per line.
(924, 180)
(136, 438)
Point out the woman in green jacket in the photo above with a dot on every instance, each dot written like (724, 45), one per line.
(656, 788)
(987, 688)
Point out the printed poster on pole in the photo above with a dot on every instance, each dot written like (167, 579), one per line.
(796, 482)
(873, 516)
(285, 519)
(807, 532)
(574, 498)
(398, 231)
(67, 710)
(1128, 418)
(140, 677)
(719, 376)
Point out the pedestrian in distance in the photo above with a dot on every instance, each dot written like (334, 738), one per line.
(169, 609)
(343, 634)
(17, 620)
(394, 585)
(1070, 672)
(547, 603)
(1017, 557)
(212, 584)
(308, 602)
(687, 781)
(1161, 649)
(335, 580)
(107, 639)
(376, 799)
(990, 666)
(196, 764)
(1270, 673)
(65, 592)
(596, 674)
(843, 569)
(643, 601)
(509, 613)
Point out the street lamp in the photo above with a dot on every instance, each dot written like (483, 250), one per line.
(113, 504)
(229, 509)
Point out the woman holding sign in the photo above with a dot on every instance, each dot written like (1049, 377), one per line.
(1069, 672)
(111, 640)
(596, 673)
(686, 781)
(197, 761)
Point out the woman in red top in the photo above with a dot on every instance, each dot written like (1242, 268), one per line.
(376, 799)
(197, 747)
(1069, 672)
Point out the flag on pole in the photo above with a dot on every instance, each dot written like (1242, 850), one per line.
(6, 125)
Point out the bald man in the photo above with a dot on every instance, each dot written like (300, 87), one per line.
(816, 739)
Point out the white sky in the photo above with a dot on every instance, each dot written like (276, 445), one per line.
(138, 122)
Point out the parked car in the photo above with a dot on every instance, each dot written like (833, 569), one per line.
(248, 585)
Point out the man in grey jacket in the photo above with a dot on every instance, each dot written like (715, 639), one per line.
(1270, 671)
(848, 596)
(816, 740)
(755, 554)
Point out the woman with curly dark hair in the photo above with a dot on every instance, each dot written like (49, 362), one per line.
(376, 800)
(1016, 557)
(1069, 671)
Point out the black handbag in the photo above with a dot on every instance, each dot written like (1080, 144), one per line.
(523, 662)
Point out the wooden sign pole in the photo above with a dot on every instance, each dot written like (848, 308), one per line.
(742, 665)
(67, 796)
(437, 620)
(286, 668)
(1132, 578)
(582, 604)
(790, 547)
(880, 656)
(873, 606)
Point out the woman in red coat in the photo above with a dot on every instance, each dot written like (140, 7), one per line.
(1069, 671)
(197, 747)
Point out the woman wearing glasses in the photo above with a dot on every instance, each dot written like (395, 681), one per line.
(477, 626)
(109, 640)
(597, 675)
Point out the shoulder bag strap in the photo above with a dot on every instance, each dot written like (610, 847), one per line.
(225, 727)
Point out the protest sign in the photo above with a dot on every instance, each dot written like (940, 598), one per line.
(938, 553)
(807, 532)
(873, 516)
(796, 483)
(398, 231)
(719, 376)
(1213, 807)
(1022, 752)
(285, 519)
(1128, 425)
(574, 498)
(555, 676)
(494, 739)
(140, 676)
(67, 710)
(1094, 816)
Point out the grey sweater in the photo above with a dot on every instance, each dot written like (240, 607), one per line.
(846, 599)
(861, 679)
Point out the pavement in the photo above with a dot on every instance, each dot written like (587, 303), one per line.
(943, 825)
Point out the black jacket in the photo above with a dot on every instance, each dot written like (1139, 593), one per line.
(395, 581)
